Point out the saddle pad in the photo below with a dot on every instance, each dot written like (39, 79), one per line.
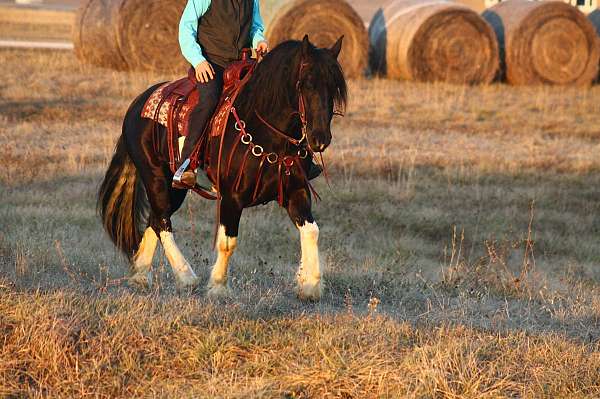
(172, 103)
(158, 108)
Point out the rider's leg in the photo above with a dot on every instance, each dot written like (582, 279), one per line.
(210, 93)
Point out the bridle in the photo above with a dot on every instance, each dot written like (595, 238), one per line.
(285, 161)
(301, 112)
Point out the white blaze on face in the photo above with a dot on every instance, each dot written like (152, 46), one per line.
(310, 266)
(225, 247)
(142, 261)
(184, 275)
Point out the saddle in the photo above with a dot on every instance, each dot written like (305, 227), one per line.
(171, 105)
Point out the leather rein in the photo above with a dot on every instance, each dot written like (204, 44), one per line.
(284, 161)
(301, 113)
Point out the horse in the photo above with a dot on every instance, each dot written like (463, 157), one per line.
(283, 118)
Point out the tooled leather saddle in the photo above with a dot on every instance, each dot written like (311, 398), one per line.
(171, 105)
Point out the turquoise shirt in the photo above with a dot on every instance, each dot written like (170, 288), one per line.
(188, 29)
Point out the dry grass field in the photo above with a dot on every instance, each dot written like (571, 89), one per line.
(460, 242)
(16, 23)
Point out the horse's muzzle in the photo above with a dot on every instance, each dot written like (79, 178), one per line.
(319, 147)
(319, 141)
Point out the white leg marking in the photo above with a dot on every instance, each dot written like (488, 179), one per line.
(217, 286)
(141, 269)
(309, 274)
(184, 275)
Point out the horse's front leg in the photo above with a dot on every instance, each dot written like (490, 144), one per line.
(310, 286)
(225, 245)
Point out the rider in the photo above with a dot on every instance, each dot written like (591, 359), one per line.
(212, 35)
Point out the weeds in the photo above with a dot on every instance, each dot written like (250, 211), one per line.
(499, 272)
(509, 309)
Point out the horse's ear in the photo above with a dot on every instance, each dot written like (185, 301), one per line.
(305, 46)
(337, 47)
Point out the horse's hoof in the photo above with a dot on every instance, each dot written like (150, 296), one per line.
(140, 281)
(310, 292)
(218, 291)
(187, 284)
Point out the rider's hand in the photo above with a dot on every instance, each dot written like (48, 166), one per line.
(204, 72)
(262, 48)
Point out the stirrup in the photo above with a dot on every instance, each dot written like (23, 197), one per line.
(179, 174)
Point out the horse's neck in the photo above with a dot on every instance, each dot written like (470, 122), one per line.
(286, 121)
(284, 118)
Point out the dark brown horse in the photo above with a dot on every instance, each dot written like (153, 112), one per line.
(282, 116)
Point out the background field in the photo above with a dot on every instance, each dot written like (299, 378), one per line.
(55, 21)
(459, 240)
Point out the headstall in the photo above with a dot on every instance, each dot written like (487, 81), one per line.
(284, 161)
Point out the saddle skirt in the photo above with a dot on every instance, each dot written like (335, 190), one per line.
(169, 108)
(172, 103)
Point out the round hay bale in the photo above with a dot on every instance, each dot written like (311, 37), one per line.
(147, 33)
(432, 41)
(544, 42)
(95, 34)
(324, 21)
(268, 9)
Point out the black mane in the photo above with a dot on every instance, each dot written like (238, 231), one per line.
(272, 87)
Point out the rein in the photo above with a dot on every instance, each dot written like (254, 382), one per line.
(301, 112)
(285, 161)
(302, 142)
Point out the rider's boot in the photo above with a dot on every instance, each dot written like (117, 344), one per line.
(187, 179)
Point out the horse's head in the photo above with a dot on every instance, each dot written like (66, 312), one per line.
(298, 78)
(322, 89)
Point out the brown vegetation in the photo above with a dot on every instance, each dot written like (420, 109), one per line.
(23, 23)
(67, 345)
(459, 240)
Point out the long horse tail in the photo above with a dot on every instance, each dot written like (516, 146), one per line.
(122, 202)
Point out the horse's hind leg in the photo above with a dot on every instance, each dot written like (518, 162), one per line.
(310, 286)
(141, 267)
(185, 278)
(226, 244)
(139, 136)
(164, 201)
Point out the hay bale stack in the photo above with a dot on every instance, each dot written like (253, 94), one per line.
(130, 34)
(432, 41)
(544, 43)
(324, 21)
(95, 35)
